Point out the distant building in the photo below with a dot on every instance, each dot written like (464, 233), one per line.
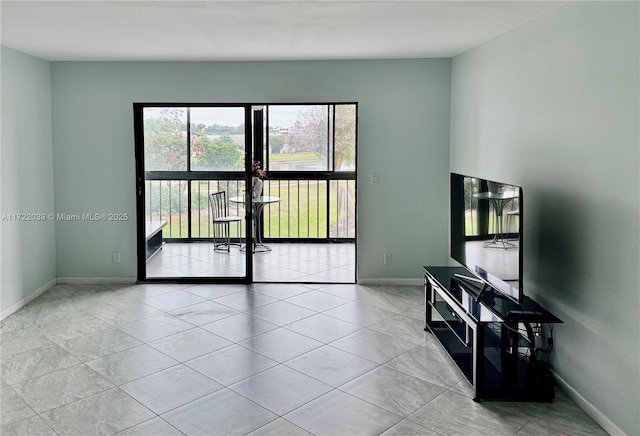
(276, 130)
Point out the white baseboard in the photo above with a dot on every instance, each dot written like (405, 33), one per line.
(589, 408)
(32, 296)
(392, 281)
(95, 280)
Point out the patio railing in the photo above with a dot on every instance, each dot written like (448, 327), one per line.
(309, 209)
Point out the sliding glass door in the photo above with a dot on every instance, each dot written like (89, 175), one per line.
(193, 165)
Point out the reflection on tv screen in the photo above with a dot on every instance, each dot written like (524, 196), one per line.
(486, 232)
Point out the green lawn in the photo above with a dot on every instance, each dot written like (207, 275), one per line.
(292, 157)
(301, 213)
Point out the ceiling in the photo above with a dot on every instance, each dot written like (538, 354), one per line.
(257, 30)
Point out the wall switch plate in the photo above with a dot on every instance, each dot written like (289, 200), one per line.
(387, 259)
(116, 257)
(375, 178)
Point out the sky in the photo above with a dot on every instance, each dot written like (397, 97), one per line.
(279, 115)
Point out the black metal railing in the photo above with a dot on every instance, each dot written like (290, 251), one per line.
(307, 210)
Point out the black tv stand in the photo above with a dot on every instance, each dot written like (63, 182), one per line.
(488, 336)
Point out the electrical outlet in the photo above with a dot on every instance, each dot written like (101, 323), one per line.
(387, 259)
(116, 257)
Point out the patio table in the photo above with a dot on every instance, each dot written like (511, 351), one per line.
(258, 208)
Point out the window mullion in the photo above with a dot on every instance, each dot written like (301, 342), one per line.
(188, 181)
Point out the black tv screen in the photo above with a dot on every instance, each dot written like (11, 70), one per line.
(486, 232)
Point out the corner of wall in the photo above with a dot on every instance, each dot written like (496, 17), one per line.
(27, 241)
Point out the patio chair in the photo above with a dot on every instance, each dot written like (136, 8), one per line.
(512, 214)
(222, 221)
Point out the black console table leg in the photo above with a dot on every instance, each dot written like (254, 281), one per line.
(428, 295)
(478, 362)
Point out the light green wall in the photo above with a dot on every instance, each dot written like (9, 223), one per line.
(28, 247)
(553, 106)
(403, 136)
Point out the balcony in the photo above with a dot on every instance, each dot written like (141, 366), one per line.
(309, 210)
(311, 230)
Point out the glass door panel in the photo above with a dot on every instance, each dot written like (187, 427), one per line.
(191, 163)
(165, 139)
(217, 138)
(299, 137)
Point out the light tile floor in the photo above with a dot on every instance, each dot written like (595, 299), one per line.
(266, 359)
(286, 262)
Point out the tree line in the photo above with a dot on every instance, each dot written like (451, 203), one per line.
(165, 139)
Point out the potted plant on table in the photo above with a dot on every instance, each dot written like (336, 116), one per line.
(257, 174)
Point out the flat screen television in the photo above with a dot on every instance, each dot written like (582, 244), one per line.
(486, 234)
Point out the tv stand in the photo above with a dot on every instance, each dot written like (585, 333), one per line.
(487, 336)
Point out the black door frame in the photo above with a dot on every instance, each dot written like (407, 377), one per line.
(254, 143)
(138, 127)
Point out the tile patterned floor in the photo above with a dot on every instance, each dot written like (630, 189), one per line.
(287, 262)
(266, 359)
